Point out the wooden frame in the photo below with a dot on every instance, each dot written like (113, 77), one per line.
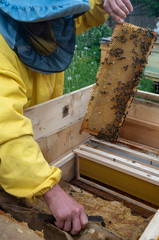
(56, 125)
(152, 230)
(130, 171)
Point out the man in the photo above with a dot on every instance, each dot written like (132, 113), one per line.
(37, 44)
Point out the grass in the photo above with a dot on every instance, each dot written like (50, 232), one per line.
(146, 85)
(85, 63)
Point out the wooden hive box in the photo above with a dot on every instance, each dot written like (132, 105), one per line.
(56, 125)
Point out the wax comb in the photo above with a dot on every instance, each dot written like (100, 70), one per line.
(117, 79)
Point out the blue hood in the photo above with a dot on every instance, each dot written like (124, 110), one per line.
(42, 10)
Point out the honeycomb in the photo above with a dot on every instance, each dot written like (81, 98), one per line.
(117, 79)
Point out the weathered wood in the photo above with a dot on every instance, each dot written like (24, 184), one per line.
(152, 230)
(55, 115)
(136, 206)
(67, 163)
(118, 166)
(141, 131)
(144, 110)
(149, 157)
(117, 178)
(126, 161)
(55, 145)
(147, 95)
(139, 147)
(104, 161)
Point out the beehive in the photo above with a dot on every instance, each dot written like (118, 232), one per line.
(117, 79)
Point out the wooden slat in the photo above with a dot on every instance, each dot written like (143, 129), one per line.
(152, 230)
(119, 196)
(55, 145)
(118, 166)
(127, 156)
(144, 110)
(54, 115)
(147, 95)
(63, 160)
(141, 131)
(48, 118)
(150, 158)
(119, 180)
(138, 147)
(122, 160)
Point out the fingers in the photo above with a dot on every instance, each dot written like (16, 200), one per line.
(128, 5)
(78, 221)
(118, 9)
(114, 12)
(76, 225)
(83, 219)
(67, 225)
(69, 214)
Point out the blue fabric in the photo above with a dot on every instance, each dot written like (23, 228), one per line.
(42, 10)
(16, 37)
(15, 13)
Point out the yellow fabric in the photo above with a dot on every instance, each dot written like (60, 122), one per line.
(23, 170)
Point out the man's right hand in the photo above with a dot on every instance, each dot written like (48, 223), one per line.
(118, 9)
(69, 214)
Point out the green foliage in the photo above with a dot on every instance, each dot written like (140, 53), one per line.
(84, 66)
(146, 85)
(153, 5)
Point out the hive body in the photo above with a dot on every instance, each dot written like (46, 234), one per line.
(117, 79)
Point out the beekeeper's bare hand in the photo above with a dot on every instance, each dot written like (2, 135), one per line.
(69, 214)
(118, 9)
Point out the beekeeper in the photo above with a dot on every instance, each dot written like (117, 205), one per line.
(36, 45)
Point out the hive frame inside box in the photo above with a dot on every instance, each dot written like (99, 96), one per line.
(56, 126)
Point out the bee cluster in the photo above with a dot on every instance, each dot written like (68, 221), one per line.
(117, 79)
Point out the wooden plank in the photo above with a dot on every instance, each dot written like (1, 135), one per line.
(63, 160)
(117, 179)
(54, 115)
(147, 95)
(152, 230)
(138, 147)
(64, 141)
(140, 131)
(55, 145)
(124, 160)
(118, 166)
(149, 157)
(144, 110)
(152, 75)
(67, 164)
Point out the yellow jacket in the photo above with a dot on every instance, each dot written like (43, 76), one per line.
(23, 170)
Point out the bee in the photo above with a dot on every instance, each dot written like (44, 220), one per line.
(121, 58)
(134, 35)
(92, 97)
(135, 43)
(125, 67)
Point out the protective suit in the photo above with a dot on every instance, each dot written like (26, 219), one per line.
(23, 170)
